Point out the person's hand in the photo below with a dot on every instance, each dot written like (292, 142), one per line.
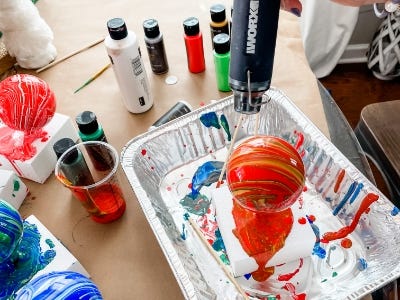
(293, 6)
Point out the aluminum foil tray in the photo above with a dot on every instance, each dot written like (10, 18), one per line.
(160, 165)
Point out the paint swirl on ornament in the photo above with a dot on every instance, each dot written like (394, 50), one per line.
(63, 285)
(26, 102)
(265, 173)
(11, 229)
(21, 254)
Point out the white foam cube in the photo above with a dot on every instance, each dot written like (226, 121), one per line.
(64, 260)
(41, 165)
(299, 243)
(12, 189)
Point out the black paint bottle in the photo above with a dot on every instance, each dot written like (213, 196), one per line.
(155, 46)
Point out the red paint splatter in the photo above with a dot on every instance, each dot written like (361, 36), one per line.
(258, 231)
(292, 290)
(190, 185)
(202, 103)
(144, 151)
(287, 277)
(346, 243)
(339, 180)
(346, 230)
(18, 145)
(169, 188)
(311, 218)
(300, 140)
(302, 220)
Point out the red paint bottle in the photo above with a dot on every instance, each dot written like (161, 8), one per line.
(194, 45)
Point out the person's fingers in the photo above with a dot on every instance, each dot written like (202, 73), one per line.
(293, 6)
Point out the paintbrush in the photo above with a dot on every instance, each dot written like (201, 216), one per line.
(101, 71)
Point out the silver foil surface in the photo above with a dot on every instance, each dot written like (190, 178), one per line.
(159, 165)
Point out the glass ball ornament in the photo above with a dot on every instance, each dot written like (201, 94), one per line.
(11, 230)
(26, 102)
(59, 285)
(265, 174)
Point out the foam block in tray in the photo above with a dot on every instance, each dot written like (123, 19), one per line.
(298, 244)
(64, 260)
(39, 167)
(12, 189)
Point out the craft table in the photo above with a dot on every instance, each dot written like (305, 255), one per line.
(124, 258)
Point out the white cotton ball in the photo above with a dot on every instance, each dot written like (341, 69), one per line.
(26, 36)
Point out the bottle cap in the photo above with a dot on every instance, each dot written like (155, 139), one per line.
(117, 28)
(151, 29)
(191, 26)
(63, 145)
(217, 12)
(221, 43)
(87, 122)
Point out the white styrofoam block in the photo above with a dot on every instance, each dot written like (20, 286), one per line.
(64, 260)
(12, 189)
(41, 165)
(298, 244)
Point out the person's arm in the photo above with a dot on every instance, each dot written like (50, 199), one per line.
(295, 7)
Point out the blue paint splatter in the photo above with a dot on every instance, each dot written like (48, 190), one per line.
(225, 125)
(394, 211)
(210, 120)
(356, 192)
(205, 175)
(218, 244)
(317, 250)
(362, 264)
(351, 189)
(247, 276)
(183, 234)
(197, 206)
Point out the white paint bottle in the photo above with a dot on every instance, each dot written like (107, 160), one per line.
(123, 49)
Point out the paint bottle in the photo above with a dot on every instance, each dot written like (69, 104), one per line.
(123, 50)
(179, 109)
(219, 23)
(155, 46)
(91, 130)
(221, 55)
(194, 45)
(74, 166)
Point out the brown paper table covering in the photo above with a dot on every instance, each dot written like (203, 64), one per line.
(124, 258)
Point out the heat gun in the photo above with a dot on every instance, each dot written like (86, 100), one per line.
(253, 39)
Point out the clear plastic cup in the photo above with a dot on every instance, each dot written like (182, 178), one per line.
(97, 189)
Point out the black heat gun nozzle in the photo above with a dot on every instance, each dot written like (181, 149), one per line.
(253, 39)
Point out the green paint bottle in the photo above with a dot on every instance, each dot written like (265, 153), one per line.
(222, 56)
(89, 128)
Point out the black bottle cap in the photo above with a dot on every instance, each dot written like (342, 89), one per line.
(63, 145)
(117, 29)
(87, 122)
(191, 26)
(217, 12)
(151, 29)
(221, 43)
